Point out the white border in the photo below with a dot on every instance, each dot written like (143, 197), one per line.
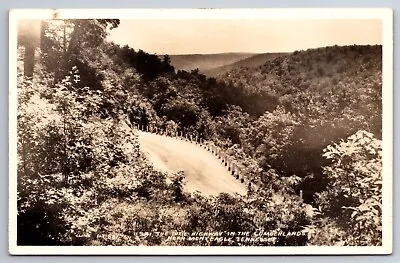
(385, 14)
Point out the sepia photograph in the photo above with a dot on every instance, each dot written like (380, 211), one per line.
(200, 131)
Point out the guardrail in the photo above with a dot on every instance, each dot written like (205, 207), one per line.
(233, 168)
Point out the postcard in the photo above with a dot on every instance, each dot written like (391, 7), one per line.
(200, 131)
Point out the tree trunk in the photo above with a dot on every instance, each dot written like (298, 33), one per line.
(28, 36)
(68, 50)
(29, 60)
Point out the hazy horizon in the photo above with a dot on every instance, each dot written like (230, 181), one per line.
(208, 36)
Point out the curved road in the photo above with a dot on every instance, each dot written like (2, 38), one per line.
(203, 171)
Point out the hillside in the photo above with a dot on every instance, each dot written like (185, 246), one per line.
(205, 61)
(321, 75)
(322, 96)
(253, 61)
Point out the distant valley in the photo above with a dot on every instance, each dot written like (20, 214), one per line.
(214, 65)
(204, 62)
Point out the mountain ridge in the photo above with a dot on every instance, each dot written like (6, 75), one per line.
(204, 62)
(253, 61)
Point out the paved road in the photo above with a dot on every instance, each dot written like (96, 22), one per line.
(203, 171)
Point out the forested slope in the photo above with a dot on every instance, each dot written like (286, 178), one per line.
(338, 78)
(252, 61)
(323, 95)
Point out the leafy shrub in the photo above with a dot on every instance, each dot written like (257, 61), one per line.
(269, 136)
(71, 159)
(353, 198)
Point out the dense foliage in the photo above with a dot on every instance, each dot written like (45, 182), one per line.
(353, 198)
(309, 121)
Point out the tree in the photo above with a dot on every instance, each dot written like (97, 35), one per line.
(29, 37)
(67, 42)
(167, 67)
(269, 136)
(353, 199)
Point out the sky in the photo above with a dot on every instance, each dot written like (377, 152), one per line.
(210, 36)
